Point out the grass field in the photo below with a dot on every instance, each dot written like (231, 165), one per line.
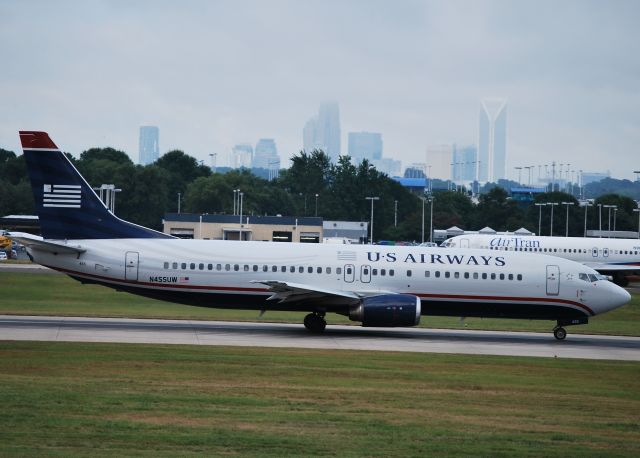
(70, 399)
(53, 294)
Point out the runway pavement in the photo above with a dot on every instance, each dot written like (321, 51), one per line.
(59, 329)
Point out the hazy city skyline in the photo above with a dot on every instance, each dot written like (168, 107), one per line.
(91, 73)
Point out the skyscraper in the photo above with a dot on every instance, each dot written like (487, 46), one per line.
(464, 163)
(266, 154)
(492, 140)
(323, 131)
(365, 145)
(149, 145)
(242, 156)
(439, 159)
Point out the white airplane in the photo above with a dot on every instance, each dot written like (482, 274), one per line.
(380, 286)
(612, 257)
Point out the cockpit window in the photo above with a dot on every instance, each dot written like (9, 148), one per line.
(593, 277)
(584, 277)
(601, 277)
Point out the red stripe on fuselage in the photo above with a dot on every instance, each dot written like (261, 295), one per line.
(552, 300)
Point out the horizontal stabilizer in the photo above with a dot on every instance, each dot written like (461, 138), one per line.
(38, 243)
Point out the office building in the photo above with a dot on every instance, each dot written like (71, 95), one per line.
(365, 145)
(266, 155)
(492, 140)
(323, 131)
(390, 167)
(241, 156)
(465, 161)
(439, 160)
(149, 145)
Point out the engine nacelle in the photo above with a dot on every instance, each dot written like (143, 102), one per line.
(387, 310)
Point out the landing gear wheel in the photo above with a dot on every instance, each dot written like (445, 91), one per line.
(315, 323)
(560, 333)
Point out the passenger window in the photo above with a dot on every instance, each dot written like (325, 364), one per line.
(374, 271)
(236, 267)
(501, 276)
(329, 270)
(408, 272)
(447, 274)
(255, 267)
(519, 277)
(437, 274)
(218, 266)
(456, 275)
(201, 266)
(427, 273)
(383, 272)
(391, 272)
(338, 270)
(265, 268)
(174, 265)
(227, 267)
(209, 266)
(310, 269)
(166, 265)
(466, 275)
(183, 265)
(292, 269)
(319, 270)
(493, 276)
(510, 276)
(246, 268)
(274, 268)
(484, 275)
(475, 275)
(283, 269)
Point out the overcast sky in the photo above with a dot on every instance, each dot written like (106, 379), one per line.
(211, 74)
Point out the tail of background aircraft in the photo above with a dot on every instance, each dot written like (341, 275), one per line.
(67, 206)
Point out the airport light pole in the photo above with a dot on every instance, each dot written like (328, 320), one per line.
(395, 213)
(431, 199)
(423, 199)
(553, 204)
(600, 220)
(179, 194)
(609, 217)
(615, 217)
(372, 199)
(519, 169)
(317, 203)
(540, 205)
(566, 231)
(586, 207)
(240, 196)
(637, 210)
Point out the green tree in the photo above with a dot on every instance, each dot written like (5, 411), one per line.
(182, 170)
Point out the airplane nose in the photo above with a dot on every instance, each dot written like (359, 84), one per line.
(617, 297)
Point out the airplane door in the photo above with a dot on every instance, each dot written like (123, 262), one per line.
(131, 266)
(594, 252)
(464, 243)
(349, 273)
(365, 274)
(553, 280)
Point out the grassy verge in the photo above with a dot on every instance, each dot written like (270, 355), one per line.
(46, 294)
(71, 399)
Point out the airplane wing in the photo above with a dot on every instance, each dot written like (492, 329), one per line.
(293, 292)
(605, 267)
(38, 243)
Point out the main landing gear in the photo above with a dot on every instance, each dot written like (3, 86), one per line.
(315, 322)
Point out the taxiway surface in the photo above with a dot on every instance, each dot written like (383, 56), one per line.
(74, 329)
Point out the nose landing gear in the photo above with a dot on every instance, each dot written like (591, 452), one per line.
(315, 322)
(560, 333)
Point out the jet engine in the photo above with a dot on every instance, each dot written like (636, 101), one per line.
(387, 310)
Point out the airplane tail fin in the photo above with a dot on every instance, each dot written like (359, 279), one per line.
(67, 206)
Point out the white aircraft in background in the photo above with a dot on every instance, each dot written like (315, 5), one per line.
(376, 285)
(617, 258)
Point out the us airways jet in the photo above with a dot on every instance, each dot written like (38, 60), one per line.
(375, 285)
(612, 257)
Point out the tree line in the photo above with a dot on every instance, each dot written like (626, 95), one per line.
(313, 185)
